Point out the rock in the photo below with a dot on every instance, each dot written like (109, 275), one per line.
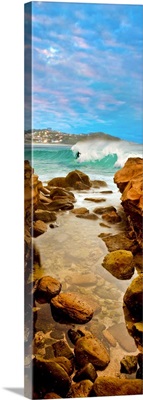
(60, 204)
(97, 200)
(81, 389)
(47, 288)
(39, 227)
(104, 225)
(120, 241)
(82, 279)
(138, 262)
(51, 395)
(81, 210)
(71, 307)
(65, 363)
(77, 176)
(57, 182)
(61, 349)
(119, 263)
(87, 372)
(140, 360)
(113, 217)
(120, 333)
(45, 215)
(44, 199)
(138, 332)
(130, 182)
(91, 350)
(133, 297)
(50, 376)
(139, 374)
(112, 386)
(90, 216)
(58, 192)
(52, 226)
(103, 210)
(97, 184)
(128, 364)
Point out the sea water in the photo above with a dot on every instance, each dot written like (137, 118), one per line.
(98, 157)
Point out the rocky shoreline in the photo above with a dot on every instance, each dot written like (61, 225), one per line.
(74, 359)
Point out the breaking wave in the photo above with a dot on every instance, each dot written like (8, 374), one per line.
(106, 150)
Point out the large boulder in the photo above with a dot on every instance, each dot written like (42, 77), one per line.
(113, 386)
(58, 193)
(39, 227)
(119, 263)
(71, 307)
(81, 389)
(91, 350)
(60, 204)
(133, 297)
(77, 176)
(130, 182)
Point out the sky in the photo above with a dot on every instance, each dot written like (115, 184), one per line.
(87, 68)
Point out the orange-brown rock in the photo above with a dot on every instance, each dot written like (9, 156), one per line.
(47, 288)
(130, 182)
(75, 179)
(71, 307)
(81, 389)
(113, 386)
(39, 227)
(91, 350)
(80, 210)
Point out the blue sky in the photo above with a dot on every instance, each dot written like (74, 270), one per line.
(87, 73)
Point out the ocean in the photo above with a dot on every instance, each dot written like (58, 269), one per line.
(99, 157)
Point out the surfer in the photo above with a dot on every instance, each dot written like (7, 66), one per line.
(78, 154)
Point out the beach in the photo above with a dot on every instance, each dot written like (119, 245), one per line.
(80, 217)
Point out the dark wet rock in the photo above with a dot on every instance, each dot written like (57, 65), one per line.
(120, 241)
(80, 389)
(58, 192)
(77, 176)
(140, 360)
(119, 263)
(47, 288)
(133, 297)
(52, 226)
(50, 376)
(87, 372)
(128, 364)
(91, 350)
(138, 262)
(103, 210)
(60, 204)
(129, 180)
(44, 206)
(112, 386)
(113, 217)
(98, 183)
(39, 339)
(49, 353)
(80, 210)
(45, 215)
(82, 279)
(138, 332)
(57, 182)
(139, 374)
(51, 395)
(71, 307)
(104, 225)
(61, 349)
(97, 200)
(106, 191)
(39, 227)
(65, 363)
(90, 216)
(120, 333)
